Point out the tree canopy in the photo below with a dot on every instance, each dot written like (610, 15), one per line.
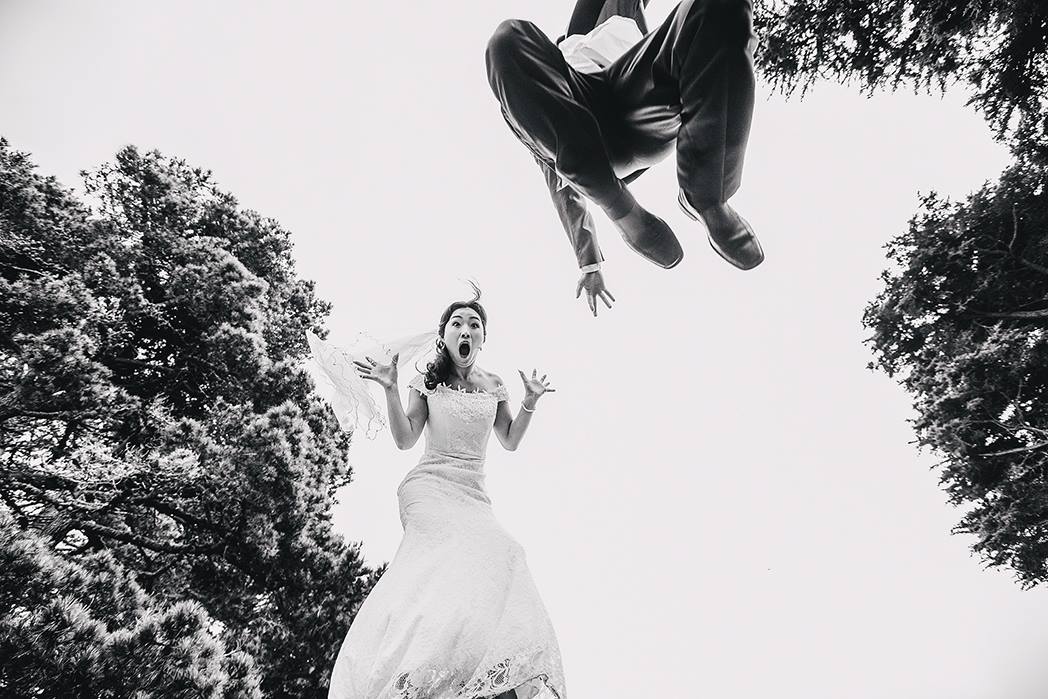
(998, 48)
(963, 323)
(962, 318)
(83, 628)
(154, 406)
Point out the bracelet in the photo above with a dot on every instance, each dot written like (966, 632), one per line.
(526, 408)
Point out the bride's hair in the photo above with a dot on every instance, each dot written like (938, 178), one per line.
(437, 371)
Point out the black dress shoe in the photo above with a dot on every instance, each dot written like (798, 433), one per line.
(650, 237)
(729, 234)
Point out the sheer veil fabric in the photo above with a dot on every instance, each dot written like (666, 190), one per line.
(354, 400)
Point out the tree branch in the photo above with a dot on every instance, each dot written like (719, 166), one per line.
(129, 538)
(1012, 244)
(1033, 265)
(1018, 315)
(59, 448)
(1018, 450)
(137, 363)
(53, 415)
(22, 517)
(173, 511)
(25, 269)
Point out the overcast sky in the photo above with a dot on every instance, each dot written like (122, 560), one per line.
(720, 500)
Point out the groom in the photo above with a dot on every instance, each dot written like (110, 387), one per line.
(595, 122)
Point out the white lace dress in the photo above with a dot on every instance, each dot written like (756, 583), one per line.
(456, 614)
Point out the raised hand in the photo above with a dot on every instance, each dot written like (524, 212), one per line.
(384, 375)
(593, 283)
(534, 387)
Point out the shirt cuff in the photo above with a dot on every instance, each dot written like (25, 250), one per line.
(586, 269)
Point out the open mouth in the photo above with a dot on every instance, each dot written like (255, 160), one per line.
(464, 349)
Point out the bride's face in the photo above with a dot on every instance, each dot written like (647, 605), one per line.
(464, 336)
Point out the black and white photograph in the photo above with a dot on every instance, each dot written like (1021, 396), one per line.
(524, 350)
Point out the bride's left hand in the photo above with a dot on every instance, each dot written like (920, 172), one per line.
(535, 386)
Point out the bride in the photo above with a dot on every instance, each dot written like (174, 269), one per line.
(456, 615)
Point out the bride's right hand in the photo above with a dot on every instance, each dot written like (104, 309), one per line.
(385, 375)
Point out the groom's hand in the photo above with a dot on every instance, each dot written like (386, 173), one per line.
(593, 283)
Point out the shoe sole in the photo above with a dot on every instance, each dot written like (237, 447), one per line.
(685, 206)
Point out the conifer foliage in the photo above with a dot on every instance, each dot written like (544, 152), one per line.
(84, 628)
(156, 424)
(963, 316)
(962, 322)
(997, 48)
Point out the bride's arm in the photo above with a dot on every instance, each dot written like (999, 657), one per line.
(406, 426)
(510, 430)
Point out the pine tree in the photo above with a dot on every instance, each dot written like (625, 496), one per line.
(962, 322)
(154, 406)
(962, 319)
(998, 48)
(83, 628)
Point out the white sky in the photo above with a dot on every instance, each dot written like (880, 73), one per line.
(720, 500)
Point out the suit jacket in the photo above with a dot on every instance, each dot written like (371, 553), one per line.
(570, 205)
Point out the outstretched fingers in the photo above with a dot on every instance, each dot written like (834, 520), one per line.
(364, 371)
(536, 382)
(545, 384)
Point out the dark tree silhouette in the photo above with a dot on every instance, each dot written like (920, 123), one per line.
(963, 315)
(997, 47)
(153, 405)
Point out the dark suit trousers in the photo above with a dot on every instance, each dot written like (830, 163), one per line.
(688, 87)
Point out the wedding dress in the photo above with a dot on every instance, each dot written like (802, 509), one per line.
(456, 615)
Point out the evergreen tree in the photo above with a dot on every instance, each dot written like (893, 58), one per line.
(153, 404)
(999, 48)
(963, 323)
(962, 319)
(84, 629)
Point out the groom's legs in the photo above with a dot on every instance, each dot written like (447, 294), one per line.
(714, 59)
(697, 68)
(549, 106)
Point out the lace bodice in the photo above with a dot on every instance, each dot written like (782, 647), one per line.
(460, 422)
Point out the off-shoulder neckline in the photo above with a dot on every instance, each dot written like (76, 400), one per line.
(421, 385)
